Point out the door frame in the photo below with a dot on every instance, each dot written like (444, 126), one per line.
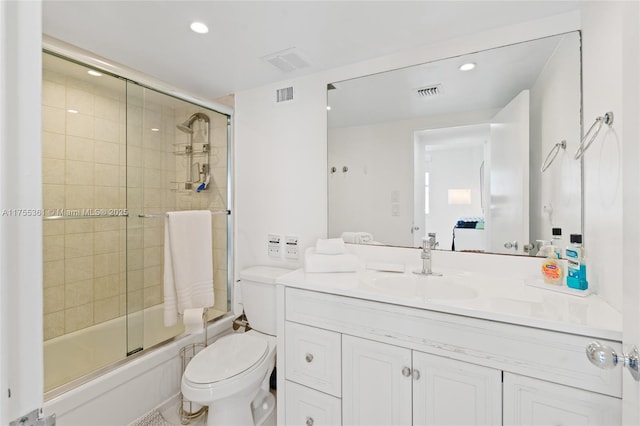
(21, 294)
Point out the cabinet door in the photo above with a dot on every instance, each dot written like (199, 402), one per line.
(450, 392)
(376, 383)
(533, 402)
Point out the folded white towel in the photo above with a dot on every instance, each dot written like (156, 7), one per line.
(330, 246)
(314, 262)
(357, 237)
(188, 263)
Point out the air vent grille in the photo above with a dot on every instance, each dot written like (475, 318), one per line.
(284, 94)
(429, 91)
(286, 60)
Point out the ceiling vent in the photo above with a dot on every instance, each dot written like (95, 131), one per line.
(284, 94)
(429, 91)
(286, 60)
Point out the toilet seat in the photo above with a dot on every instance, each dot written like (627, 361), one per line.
(227, 357)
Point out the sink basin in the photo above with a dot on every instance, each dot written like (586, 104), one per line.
(418, 286)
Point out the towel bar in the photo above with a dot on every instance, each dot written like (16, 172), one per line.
(163, 215)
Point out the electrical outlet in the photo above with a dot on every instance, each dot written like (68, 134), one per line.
(291, 249)
(273, 249)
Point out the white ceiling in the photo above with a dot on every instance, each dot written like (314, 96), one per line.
(154, 36)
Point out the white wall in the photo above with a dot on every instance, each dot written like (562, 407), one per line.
(602, 56)
(281, 161)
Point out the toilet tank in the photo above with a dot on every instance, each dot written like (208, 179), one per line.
(258, 287)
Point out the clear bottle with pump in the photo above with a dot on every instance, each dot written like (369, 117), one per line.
(576, 266)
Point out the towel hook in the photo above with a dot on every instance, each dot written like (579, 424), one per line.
(606, 119)
(553, 154)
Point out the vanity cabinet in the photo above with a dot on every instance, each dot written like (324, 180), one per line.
(389, 385)
(353, 361)
(530, 402)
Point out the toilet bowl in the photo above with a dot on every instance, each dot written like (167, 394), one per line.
(231, 376)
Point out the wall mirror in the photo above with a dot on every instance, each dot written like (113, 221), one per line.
(458, 147)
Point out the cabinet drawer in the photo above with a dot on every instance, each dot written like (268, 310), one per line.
(309, 407)
(312, 357)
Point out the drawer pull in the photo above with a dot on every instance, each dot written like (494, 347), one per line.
(416, 375)
(406, 372)
(308, 357)
(309, 421)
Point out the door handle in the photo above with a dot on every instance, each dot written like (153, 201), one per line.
(605, 357)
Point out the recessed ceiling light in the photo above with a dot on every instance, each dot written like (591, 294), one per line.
(153, 129)
(467, 67)
(199, 27)
(328, 107)
(94, 73)
(72, 111)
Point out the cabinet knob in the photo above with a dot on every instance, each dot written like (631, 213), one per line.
(605, 357)
(308, 357)
(309, 421)
(406, 372)
(416, 374)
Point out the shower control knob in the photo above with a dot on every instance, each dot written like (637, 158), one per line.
(309, 421)
(308, 357)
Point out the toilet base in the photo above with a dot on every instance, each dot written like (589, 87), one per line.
(238, 411)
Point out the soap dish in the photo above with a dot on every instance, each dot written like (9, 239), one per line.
(536, 282)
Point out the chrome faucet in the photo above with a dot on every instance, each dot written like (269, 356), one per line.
(428, 244)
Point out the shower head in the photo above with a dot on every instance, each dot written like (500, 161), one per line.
(185, 127)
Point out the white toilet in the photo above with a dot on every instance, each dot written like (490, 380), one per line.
(231, 376)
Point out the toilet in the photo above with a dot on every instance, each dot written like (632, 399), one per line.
(231, 376)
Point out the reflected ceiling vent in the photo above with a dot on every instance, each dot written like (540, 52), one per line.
(286, 60)
(429, 91)
(284, 94)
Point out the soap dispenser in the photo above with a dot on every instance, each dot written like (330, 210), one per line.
(552, 271)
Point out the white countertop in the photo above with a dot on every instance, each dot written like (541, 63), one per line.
(472, 294)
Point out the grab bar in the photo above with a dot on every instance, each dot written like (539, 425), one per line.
(553, 154)
(163, 215)
(606, 119)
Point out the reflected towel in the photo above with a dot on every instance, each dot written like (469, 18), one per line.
(314, 262)
(357, 237)
(188, 263)
(330, 246)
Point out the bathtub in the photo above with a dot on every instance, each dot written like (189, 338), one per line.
(120, 389)
(77, 354)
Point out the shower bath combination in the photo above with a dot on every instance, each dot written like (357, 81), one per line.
(202, 176)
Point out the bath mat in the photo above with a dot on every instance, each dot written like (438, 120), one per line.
(154, 418)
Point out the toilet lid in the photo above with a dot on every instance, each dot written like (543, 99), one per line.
(227, 357)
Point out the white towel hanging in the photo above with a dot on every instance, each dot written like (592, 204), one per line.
(188, 263)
